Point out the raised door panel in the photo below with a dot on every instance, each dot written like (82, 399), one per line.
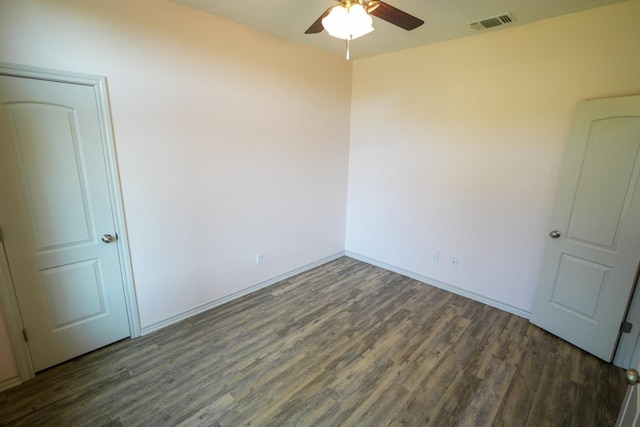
(52, 173)
(607, 182)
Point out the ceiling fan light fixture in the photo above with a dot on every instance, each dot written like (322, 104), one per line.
(348, 23)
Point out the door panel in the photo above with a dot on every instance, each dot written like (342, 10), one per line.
(578, 286)
(588, 272)
(75, 293)
(607, 184)
(55, 207)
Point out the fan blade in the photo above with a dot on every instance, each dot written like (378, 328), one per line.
(395, 16)
(317, 27)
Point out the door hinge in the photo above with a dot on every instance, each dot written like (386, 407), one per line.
(24, 335)
(626, 327)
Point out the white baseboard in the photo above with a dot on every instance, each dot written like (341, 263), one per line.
(9, 383)
(438, 284)
(215, 303)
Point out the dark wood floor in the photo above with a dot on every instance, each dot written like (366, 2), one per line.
(341, 345)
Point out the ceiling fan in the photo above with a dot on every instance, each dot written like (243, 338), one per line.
(351, 19)
(376, 8)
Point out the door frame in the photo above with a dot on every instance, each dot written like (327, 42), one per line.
(628, 351)
(10, 306)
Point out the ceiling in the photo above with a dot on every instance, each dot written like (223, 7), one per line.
(444, 19)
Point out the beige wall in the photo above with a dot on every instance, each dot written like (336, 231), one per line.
(229, 141)
(457, 147)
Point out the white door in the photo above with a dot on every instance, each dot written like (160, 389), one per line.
(629, 415)
(593, 250)
(54, 211)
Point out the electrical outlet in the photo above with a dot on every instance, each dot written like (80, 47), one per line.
(435, 256)
(454, 262)
(259, 258)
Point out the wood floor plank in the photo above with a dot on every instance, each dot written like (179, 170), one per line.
(344, 344)
(522, 391)
(492, 389)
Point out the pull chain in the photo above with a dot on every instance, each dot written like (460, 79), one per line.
(347, 43)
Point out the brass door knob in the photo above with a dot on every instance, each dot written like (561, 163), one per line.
(632, 376)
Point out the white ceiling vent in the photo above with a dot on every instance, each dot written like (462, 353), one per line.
(493, 21)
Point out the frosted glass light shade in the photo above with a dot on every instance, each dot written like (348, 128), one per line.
(348, 24)
(336, 22)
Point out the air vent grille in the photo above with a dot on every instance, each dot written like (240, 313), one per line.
(492, 21)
